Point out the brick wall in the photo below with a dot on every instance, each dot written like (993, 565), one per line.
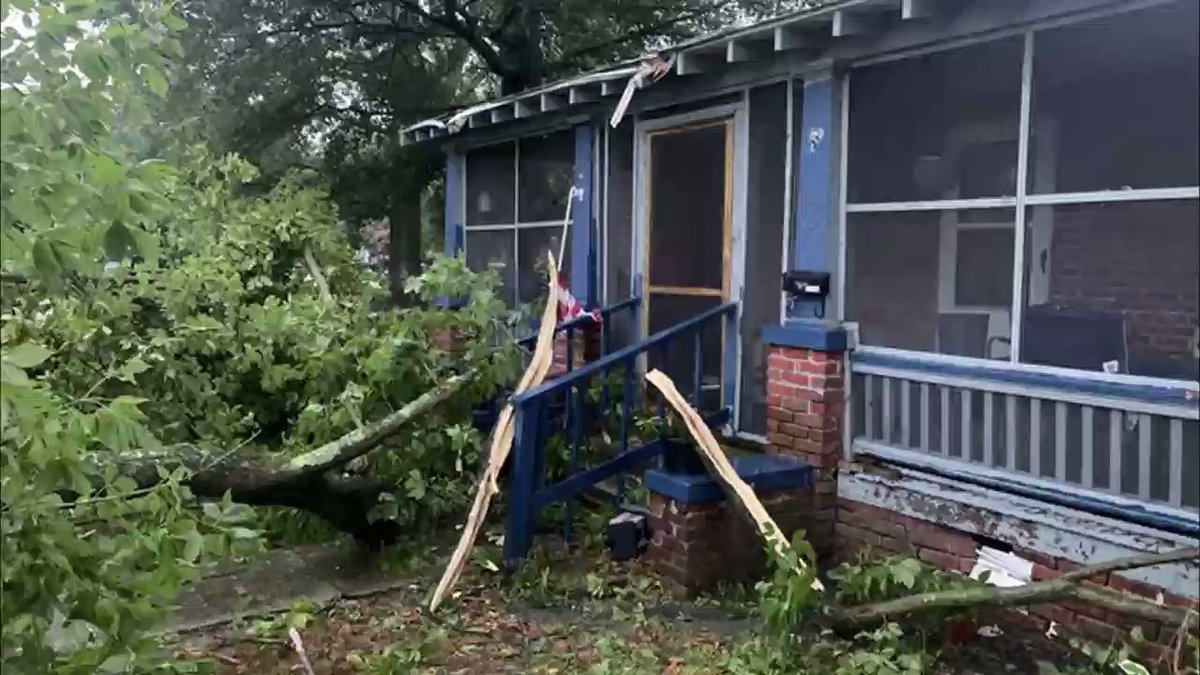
(696, 546)
(877, 531)
(585, 348)
(805, 409)
(1139, 259)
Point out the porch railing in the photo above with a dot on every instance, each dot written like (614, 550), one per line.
(535, 423)
(1131, 447)
(568, 328)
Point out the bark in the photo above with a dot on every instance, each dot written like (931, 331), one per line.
(318, 276)
(1065, 587)
(308, 481)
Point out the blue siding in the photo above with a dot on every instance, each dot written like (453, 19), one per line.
(455, 184)
(583, 235)
(816, 159)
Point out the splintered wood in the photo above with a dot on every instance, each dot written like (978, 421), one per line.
(501, 445)
(719, 467)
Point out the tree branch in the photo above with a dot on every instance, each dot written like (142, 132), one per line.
(1065, 587)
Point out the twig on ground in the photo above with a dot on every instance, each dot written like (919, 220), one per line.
(299, 647)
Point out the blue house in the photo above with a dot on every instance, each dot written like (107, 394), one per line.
(1004, 198)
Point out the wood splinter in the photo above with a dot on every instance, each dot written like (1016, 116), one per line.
(719, 468)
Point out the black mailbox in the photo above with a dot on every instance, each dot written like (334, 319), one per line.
(809, 285)
(806, 284)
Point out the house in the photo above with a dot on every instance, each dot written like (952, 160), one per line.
(996, 210)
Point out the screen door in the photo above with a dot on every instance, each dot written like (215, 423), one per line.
(688, 246)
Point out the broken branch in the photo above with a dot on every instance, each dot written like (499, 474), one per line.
(501, 445)
(1065, 587)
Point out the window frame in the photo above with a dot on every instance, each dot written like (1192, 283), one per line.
(516, 225)
(1020, 202)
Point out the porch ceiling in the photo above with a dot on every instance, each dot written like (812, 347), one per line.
(803, 34)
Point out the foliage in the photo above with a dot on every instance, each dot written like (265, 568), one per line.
(162, 307)
(89, 559)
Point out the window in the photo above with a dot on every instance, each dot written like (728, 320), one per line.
(1102, 244)
(516, 194)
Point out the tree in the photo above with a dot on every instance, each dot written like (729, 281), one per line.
(330, 84)
(171, 328)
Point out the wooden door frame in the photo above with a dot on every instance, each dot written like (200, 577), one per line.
(733, 254)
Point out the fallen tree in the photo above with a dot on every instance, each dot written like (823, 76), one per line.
(1065, 588)
(312, 481)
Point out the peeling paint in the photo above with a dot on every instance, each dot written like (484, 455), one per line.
(1052, 530)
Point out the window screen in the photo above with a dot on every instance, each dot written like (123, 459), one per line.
(546, 172)
(490, 187)
(939, 126)
(1116, 102)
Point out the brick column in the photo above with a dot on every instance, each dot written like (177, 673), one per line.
(806, 410)
(585, 348)
(698, 539)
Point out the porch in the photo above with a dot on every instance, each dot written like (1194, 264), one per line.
(1010, 237)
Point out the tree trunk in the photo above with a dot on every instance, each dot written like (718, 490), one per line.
(310, 481)
(404, 245)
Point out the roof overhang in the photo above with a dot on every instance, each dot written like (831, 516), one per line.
(804, 33)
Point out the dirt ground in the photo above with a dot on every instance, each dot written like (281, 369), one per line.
(570, 611)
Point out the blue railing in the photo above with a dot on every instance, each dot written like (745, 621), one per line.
(534, 422)
(569, 327)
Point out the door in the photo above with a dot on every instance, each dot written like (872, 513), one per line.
(689, 210)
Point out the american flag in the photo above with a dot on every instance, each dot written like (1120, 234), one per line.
(569, 308)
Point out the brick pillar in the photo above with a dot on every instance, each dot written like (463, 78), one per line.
(698, 539)
(805, 411)
(697, 546)
(584, 349)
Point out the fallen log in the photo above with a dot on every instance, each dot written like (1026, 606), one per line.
(308, 481)
(501, 444)
(718, 466)
(1064, 588)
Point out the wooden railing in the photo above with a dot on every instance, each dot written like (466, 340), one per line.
(1135, 439)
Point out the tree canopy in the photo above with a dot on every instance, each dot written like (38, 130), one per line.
(329, 84)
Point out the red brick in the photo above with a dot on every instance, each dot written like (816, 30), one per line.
(793, 430)
(1041, 572)
(941, 559)
(848, 531)
(780, 414)
(1133, 586)
(1096, 629)
(797, 379)
(932, 536)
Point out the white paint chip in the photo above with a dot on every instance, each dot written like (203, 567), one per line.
(1005, 569)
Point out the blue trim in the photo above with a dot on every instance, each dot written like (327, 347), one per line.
(583, 256)
(627, 354)
(606, 313)
(454, 217)
(761, 472)
(581, 481)
(1097, 505)
(822, 336)
(1146, 393)
(815, 159)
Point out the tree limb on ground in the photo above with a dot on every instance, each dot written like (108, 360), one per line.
(718, 466)
(308, 481)
(501, 444)
(1066, 587)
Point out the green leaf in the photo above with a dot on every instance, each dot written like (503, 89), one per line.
(193, 544)
(155, 80)
(26, 355)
